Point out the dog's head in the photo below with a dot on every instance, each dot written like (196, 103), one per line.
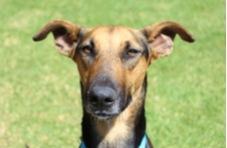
(112, 60)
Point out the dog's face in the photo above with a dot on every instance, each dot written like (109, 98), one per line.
(112, 60)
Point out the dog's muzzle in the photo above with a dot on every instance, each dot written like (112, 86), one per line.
(103, 101)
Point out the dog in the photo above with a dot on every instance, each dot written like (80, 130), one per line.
(112, 62)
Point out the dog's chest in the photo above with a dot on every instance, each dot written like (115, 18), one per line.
(120, 135)
(117, 143)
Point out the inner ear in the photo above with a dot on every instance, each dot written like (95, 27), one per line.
(64, 41)
(161, 46)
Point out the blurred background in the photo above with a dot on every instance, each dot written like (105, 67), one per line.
(40, 103)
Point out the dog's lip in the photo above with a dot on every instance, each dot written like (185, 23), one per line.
(103, 114)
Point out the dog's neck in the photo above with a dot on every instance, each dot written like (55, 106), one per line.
(125, 130)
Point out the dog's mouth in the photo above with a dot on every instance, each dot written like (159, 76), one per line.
(108, 110)
(103, 115)
(103, 112)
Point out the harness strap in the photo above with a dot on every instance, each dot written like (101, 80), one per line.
(82, 145)
(143, 142)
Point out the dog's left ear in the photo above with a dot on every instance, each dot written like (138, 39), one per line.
(65, 34)
(160, 38)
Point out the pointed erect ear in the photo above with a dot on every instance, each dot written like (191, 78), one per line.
(65, 34)
(160, 37)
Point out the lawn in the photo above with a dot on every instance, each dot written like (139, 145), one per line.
(40, 103)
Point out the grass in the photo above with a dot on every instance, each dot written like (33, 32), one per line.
(40, 102)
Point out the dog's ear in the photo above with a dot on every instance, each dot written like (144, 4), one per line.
(65, 33)
(160, 38)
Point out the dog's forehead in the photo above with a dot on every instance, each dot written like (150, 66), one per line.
(113, 33)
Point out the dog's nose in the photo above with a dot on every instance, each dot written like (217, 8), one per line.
(101, 96)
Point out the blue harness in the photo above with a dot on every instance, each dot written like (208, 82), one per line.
(143, 143)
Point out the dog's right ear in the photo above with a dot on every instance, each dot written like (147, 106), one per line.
(65, 33)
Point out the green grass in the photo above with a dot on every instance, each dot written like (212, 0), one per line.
(40, 103)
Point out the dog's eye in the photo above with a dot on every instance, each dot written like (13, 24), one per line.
(133, 52)
(87, 49)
